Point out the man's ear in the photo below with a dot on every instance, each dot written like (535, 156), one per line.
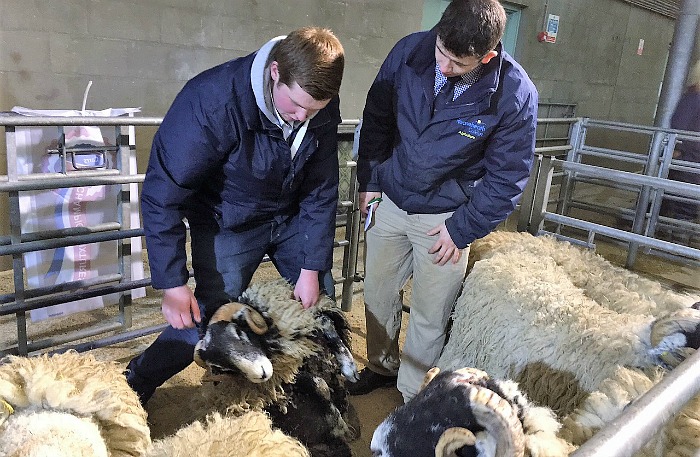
(274, 71)
(489, 55)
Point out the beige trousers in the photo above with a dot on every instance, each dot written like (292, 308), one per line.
(397, 249)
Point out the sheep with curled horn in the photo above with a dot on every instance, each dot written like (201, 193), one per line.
(565, 323)
(265, 352)
(467, 413)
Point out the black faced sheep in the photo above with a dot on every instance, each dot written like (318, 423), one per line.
(266, 352)
(561, 320)
(467, 413)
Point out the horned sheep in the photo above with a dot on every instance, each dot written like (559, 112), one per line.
(563, 322)
(265, 352)
(467, 410)
(72, 405)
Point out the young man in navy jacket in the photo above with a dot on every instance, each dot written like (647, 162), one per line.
(247, 154)
(447, 141)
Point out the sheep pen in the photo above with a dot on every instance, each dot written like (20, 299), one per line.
(563, 322)
(165, 409)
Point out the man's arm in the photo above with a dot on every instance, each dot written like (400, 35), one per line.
(317, 209)
(172, 177)
(508, 159)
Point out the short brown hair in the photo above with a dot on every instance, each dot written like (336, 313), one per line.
(313, 58)
(471, 27)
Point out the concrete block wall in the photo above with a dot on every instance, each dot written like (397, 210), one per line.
(594, 62)
(139, 53)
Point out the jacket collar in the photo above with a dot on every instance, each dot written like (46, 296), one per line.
(422, 61)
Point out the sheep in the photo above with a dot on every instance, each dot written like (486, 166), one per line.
(543, 313)
(562, 323)
(266, 352)
(249, 435)
(679, 437)
(69, 405)
(468, 409)
(72, 405)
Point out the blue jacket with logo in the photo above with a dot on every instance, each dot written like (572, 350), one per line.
(217, 158)
(473, 156)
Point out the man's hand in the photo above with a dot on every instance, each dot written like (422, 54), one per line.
(307, 289)
(444, 248)
(365, 198)
(179, 307)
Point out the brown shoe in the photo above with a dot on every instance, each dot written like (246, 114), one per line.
(368, 381)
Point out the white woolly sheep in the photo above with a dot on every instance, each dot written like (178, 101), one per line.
(268, 353)
(68, 405)
(561, 321)
(542, 310)
(249, 435)
(468, 410)
(71, 405)
(680, 437)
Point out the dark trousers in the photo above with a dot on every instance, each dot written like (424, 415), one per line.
(224, 262)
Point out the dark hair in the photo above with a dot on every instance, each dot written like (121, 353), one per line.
(471, 27)
(313, 58)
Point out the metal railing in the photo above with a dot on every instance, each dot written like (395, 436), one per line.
(622, 437)
(628, 187)
(644, 176)
(17, 243)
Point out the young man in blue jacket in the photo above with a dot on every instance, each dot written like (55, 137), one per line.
(247, 154)
(447, 141)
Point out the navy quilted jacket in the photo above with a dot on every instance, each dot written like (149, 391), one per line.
(216, 157)
(472, 157)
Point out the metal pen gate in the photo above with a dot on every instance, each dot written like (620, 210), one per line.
(120, 328)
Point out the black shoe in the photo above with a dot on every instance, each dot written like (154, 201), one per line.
(368, 380)
(138, 385)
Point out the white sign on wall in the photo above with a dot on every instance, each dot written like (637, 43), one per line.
(552, 28)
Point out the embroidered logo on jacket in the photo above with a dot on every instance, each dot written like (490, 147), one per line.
(472, 130)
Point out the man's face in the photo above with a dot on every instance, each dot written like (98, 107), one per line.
(292, 102)
(451, 65)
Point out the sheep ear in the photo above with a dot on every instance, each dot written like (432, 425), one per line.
(198, 358)
(429, 376)
(226, 312)
(255, 320)
(499, 419)
(453, 439)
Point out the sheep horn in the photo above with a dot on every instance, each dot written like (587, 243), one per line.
(197, 358)
(252, 317)
(255, 320)
(453, 439)
(499, 419)
(226, 312)
(429, 376)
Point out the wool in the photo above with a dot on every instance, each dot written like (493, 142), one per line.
(248, 435)
(67, 386)
(580, 335)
